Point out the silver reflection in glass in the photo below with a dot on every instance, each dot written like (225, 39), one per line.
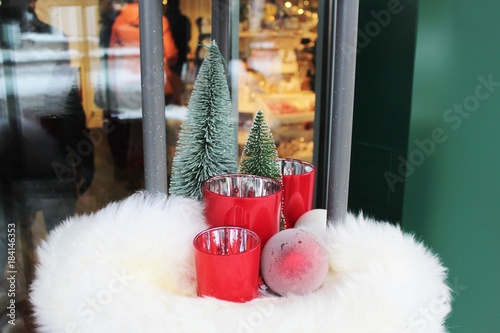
(226, 240)
(242, 186)
(291, 167)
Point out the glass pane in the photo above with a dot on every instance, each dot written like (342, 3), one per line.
(70, 117)
(277, 47)
(70, 106)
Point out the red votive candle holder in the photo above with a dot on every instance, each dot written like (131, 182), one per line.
(227, 263)
(246, 201)
(298, 185)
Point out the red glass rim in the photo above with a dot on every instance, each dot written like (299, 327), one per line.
(251, 242)
(303, 166)
(274, 189)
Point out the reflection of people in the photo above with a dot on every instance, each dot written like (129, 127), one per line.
(46, 153)
(181, 32)
(309, 53)
(125, 77)
(31, 22)
(109, 10)
(205, 32)
(126, 63)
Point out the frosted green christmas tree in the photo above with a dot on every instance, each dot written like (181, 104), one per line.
(259, 156)
(207, 143)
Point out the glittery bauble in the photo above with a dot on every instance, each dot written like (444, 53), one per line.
(294, 261)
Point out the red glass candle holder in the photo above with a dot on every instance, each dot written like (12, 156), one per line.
(246, 201)
(298, 185)
(227, 263)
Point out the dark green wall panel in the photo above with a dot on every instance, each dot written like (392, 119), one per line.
(382, 108)
(452, 196)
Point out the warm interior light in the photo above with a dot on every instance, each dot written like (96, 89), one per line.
(300, 11)
(288, 4)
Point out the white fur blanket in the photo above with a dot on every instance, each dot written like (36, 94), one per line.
(130, 268)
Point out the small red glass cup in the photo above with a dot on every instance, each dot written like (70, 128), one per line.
(298, 188)
(227, 263)
(246, 201)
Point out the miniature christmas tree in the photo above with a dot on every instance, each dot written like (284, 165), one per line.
(207, 142)
(259, 155)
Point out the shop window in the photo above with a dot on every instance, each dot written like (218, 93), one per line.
(69, 145)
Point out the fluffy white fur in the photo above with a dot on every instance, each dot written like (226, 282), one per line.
(130, 268)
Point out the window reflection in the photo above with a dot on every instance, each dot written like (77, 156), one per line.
(46, 150)
(47, 155)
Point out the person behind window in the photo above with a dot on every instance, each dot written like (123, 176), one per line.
(31, 22)
(204, 25)
(125, 40)
(109, 10)
(126, 94)
(180, 26)
(46, 154)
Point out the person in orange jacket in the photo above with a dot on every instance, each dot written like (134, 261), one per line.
(125, 89)
(125, 40)
(125, 32)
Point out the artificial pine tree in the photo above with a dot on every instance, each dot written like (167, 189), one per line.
(259, 156)
(207, 143)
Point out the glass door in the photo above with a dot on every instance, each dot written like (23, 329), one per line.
(71, 137)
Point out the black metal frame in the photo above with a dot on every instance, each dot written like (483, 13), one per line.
(336, 54)
(153, 96)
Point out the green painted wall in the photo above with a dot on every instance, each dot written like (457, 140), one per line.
(452, 185)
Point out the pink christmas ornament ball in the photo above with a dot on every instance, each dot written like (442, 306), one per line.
(293, 261)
